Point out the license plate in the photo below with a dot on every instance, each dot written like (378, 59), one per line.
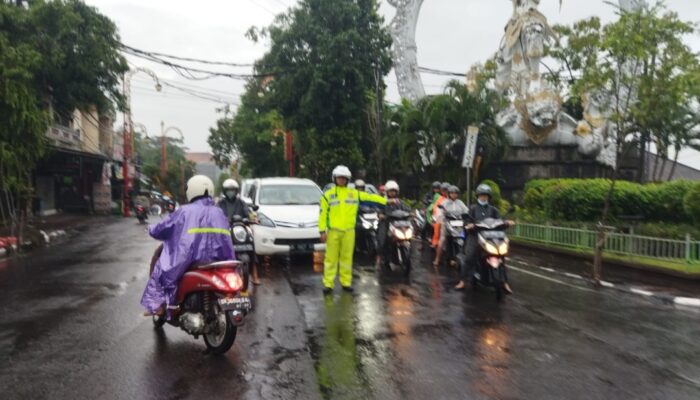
(235, 303)
(457, 224)
(243, 247)
(302, 247)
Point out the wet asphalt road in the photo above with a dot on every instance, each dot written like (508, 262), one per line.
(71, 327)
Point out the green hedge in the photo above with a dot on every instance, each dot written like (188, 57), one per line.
(583, 199)
(692, 203)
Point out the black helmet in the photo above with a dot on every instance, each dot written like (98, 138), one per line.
(436, 185)
(483, 189)
(445, 186)
(453, 189)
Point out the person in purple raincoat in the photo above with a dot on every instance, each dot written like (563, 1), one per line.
(195, 233)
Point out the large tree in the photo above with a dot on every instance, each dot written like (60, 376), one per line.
(58, 55)
(643, 75)
(324, 58)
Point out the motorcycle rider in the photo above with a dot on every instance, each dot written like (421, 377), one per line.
(432, 195)
(339, 206)
(360, 185)
(196, 232)
(233, 205)
(437, 214)
(479, 212)
(453, 205)
(393, 204)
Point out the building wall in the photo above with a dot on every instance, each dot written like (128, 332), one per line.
(87, 121)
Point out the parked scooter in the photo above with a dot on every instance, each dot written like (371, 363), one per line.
(399, 238)
(366, 231)
(491, 264)
(211, 301)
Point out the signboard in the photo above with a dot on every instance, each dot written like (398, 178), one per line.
(470, 146)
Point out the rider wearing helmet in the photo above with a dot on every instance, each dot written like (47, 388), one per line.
(452, 205)
(336, 223)
(360, 185)
(432, 194)
(231, 203)
(436, 212)
(478, 212)
(196, 232)
(394, 204)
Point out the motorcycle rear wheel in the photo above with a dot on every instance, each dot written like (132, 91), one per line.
(221, 342)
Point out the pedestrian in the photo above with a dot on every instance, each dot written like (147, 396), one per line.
(478, 212)
(452, 205)
(196, 232)
(336, 223)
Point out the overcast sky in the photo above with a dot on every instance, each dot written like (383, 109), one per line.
(452, 35)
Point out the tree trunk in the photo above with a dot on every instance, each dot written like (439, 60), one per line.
(641, 178)
(673, 166)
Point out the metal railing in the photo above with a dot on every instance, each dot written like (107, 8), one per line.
(615, 243)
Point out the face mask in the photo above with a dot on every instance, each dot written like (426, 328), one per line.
(231, 194)
(483, 202)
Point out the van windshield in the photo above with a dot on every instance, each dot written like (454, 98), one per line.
(279, 195)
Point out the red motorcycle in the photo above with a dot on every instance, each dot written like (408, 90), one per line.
(212, 301)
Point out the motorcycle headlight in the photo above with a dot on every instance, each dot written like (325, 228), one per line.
(366, 224)
(503, 248)
(490, 248)
(376, 224)
(240, 233)
(409, 234)
(265, 221)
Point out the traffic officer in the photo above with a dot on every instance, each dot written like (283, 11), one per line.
(339, 207)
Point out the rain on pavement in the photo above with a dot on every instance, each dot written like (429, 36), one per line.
(71, 327)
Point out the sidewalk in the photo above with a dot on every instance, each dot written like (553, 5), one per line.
(50, 228)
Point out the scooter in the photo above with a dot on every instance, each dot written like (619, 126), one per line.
(243, 244)
(454, 226)
(141, 214)
(366, 231)
(419, 221)
(399, 238)
(211, 301)
(491, 262)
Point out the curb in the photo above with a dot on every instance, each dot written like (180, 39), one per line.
(664, 298)
(47, 236)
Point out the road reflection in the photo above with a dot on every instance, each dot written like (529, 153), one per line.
(337, 363)
(491, 339)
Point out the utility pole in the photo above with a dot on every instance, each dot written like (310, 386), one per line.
(128, 129)
(379, 119)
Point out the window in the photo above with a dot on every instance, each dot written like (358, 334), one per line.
(278, 195)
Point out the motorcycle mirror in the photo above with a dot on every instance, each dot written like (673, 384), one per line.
(255, 207)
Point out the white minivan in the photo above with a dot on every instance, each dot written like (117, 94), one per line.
(288, 211)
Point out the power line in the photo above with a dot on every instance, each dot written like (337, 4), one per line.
(197, 60)
(263, 8)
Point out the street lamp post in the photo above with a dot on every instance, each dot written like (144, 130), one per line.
(128, 128)
(164, 152)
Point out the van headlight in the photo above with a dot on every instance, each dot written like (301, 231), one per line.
(240, 233)
(265, 221)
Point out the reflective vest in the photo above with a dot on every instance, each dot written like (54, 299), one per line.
(339, 207)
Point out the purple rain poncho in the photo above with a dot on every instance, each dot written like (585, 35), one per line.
(196, 232)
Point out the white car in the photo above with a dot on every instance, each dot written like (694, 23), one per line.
(288, 211)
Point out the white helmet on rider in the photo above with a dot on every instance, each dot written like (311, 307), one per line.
(198, 186)
(391, 185)
(230, 188)
(230, 184)
(341, 171)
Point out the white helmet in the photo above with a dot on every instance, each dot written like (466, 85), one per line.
(198, 186)
(360, 183)
(230, 184)
(391, 185)
(341, 171)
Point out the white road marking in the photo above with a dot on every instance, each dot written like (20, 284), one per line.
(607, 284)
(550, 279)
(570, 275)
(642, 292)
(687, 301)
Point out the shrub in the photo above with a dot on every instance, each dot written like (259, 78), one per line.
(691, 203)
(667, 200)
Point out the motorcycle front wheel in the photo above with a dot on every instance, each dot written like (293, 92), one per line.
(406, 260)
(220, 339)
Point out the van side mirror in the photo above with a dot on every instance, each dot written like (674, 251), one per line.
(255, 207)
